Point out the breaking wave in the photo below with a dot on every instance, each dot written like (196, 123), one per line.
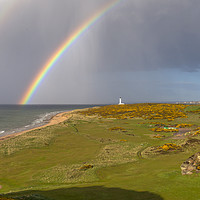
(40, 121)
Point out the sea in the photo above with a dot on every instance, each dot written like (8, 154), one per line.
(17, 118)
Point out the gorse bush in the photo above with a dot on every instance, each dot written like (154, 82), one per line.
(85, 167)
(197, 132)
(158, 136)
(145, 111)
(184, 125)
(169, 146)
(117, 129)
(164, 130)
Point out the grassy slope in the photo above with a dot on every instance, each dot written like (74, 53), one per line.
(50, 166)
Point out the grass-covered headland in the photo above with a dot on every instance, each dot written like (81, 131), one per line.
(119, 152)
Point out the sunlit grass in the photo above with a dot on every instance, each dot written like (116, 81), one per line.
(117, 149)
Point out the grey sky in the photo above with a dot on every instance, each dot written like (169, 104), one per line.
(142, 50)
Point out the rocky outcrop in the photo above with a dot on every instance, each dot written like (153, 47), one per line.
(191, 165)
(191, 143)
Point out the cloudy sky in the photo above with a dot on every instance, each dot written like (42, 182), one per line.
(142, 50)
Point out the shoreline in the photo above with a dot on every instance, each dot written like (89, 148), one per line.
(56, 119)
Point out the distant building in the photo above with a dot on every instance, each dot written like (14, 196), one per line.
(120, 101)
(189, 102)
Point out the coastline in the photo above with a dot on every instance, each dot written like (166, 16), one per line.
(56, 119)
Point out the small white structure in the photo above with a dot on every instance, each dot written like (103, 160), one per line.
(120, 101)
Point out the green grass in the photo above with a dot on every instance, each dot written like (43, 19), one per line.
(46, 163)
(192, 108)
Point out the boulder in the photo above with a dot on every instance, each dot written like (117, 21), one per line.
(191, 165)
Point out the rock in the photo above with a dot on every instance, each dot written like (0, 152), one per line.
(191, 168)
(191, 165)
(191, 143)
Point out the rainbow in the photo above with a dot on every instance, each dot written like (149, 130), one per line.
(61, 50)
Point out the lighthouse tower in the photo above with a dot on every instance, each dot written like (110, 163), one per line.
(120, 101)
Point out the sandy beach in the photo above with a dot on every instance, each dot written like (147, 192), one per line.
(60, 117)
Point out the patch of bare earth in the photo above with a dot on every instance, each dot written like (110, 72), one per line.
(181, 134)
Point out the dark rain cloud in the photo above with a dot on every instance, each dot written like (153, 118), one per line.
(136, 35)
(152, 34)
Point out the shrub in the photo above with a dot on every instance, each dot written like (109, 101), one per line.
(198, 167)
(145, 111)
(122, 140)
(86, 167)
(169, 146)
(184, 125)
(197, 132)
(158, 136)
(117, 129)
(164, 130)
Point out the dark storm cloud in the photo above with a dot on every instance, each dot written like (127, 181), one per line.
(136, 35)
(152, 34)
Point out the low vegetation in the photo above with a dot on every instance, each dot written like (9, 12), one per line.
(86, 167)
(164, 130)
(169, 146)
(145, 111)
(117, 129)
(110, 152)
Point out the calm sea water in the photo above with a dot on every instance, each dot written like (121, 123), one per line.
(16, 118)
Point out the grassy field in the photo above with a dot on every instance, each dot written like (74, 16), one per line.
(100, 157)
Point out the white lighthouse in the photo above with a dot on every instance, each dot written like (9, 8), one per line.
(120, 101)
